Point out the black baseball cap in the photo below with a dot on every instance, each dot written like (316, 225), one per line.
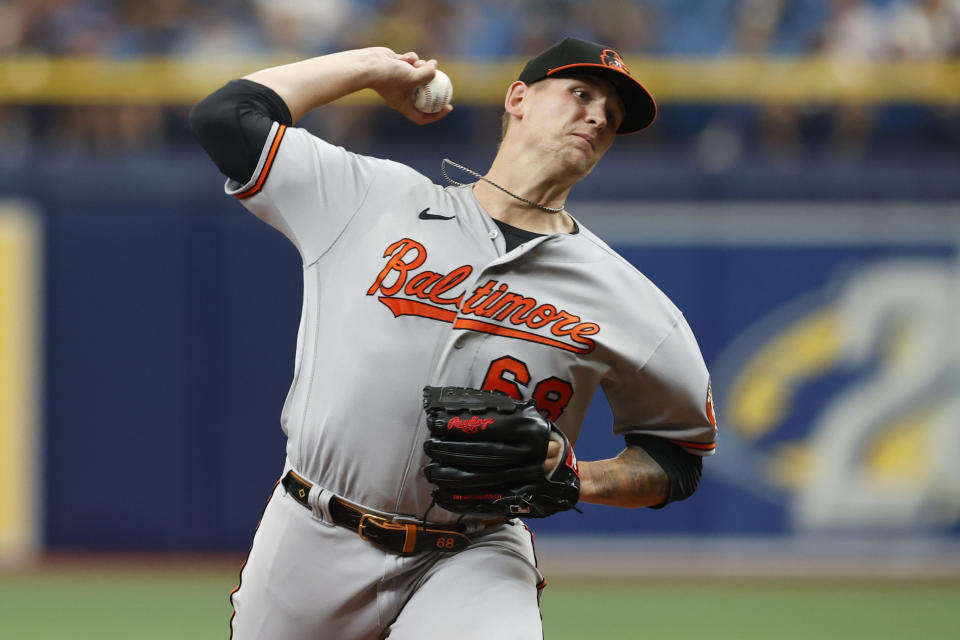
(590, 57)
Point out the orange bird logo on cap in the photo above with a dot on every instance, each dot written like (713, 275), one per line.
(611, 58)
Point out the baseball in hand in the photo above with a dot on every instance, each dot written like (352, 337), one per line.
(434, 95)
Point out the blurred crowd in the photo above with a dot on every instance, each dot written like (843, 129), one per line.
(479, 29)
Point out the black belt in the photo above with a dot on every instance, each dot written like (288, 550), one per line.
(400, 538)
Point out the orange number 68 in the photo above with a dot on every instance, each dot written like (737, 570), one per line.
(507, 374)
(445, 543)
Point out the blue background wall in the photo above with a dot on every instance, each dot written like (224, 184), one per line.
(170, 325)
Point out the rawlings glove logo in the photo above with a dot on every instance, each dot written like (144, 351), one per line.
(473, 425)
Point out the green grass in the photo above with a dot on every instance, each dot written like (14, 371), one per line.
(136, 606)
(716, 611)
(182, 601)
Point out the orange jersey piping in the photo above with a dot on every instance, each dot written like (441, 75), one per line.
(254, 189)
(703, 446)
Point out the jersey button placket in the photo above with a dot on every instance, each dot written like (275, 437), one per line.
(459, 342)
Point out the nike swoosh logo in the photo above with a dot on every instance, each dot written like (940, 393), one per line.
(423, 215)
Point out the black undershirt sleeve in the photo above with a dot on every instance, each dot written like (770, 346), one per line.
(233, 122)
(683, 469)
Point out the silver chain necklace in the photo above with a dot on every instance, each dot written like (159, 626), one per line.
(443, 170)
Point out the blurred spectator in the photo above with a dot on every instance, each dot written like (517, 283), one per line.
(488, 29)
(149, 27)
(630, 26)
(928, 30)
(695, 28)
(225, 29)
(79, 29)
(428, 27)
(756, 25)
(854, 33)
(59, 27)
(106, 128)
(295, 27)
(11, 29)
(755, 28)
(546, 22)
(924, 29)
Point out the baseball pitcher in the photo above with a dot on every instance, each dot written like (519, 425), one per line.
(450, 342)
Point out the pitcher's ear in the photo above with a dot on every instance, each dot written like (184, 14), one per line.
(516, 94)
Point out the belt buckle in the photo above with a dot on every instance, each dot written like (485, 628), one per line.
(377, 521)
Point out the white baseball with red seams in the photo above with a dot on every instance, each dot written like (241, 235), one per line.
(435, 95)
(407, 284)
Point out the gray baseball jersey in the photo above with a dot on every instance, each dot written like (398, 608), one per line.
(407, 283)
